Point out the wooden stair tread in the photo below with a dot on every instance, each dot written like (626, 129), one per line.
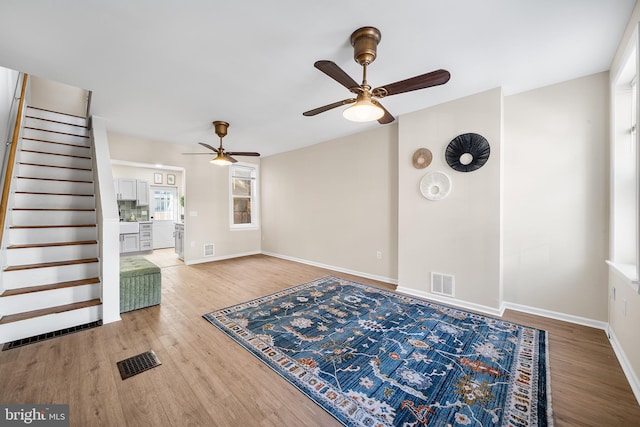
(53, 111)
(55, 209)
(55, 121)
(44, 193)
(50, 264)
(46, 311)
(52, 226)
(55, 131)
(48, 245)
(52, 286)
(55, 179)
(56, 142)
(54, 166)
(54, 154)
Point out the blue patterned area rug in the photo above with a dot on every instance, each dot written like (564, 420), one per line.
(372, 357)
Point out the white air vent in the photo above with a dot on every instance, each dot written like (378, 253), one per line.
(209, 249)
(442, 284)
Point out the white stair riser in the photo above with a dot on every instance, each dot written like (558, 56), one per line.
(28, 236)
(55, 126)
(50, 254)
(31, 133)
(58, 117)
(53, 217)
(54, 173)
(53, 322)
(53, 201)
(55, 160)
(48, 275)
(45, 299)
(65, 187)
(49, 147)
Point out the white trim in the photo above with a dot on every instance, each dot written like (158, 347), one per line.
(625, 364)
(598, 324)
(334, 268)
(220, 258)
(452, 301)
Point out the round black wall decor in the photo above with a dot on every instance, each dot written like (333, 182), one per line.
(467, 152)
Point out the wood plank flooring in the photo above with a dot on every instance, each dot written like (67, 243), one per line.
(206, 379)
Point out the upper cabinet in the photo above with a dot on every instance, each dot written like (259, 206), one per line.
(132, 189)
(126, 189)
(142, 188)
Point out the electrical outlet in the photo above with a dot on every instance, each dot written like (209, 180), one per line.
(379, 254)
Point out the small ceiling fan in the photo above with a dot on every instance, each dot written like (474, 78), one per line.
(224, 157)
(365, 105)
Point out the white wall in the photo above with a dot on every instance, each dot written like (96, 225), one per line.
(556, 197)
(335, 203)
(459, 235)
(206, 196)
(54, 96)
(8, 81)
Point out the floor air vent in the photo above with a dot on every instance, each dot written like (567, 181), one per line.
(137, 364)
(49, 335)
(442, 284)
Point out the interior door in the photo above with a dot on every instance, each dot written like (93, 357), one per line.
(164, 213)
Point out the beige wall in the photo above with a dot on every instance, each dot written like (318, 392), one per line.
(335, 203)
(206, 196)
(460, 234)
(55, 96)
(556, 197)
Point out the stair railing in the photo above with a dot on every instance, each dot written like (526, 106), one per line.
(11, 156)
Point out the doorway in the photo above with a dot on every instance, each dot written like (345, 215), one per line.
(164, 214)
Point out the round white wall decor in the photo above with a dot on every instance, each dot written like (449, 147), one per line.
(435, 185)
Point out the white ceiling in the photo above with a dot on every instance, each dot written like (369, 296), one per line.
(165, 69)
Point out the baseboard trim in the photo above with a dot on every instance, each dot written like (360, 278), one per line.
(626, 365)
(451, 301)
(556, 315)
(334, 268)
(220, 258)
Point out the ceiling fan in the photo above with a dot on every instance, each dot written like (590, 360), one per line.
(224, 157)
(365, 105)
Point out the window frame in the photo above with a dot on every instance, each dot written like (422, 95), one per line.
(255, 197)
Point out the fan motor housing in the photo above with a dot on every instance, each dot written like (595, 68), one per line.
(365, 43)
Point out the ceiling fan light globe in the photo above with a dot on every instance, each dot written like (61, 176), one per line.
(220, 160)
(363, 111)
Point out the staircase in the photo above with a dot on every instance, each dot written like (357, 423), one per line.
(51, 274)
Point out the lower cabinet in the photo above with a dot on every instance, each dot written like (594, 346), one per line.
(146, 236)
(179, 240)
(129, 243)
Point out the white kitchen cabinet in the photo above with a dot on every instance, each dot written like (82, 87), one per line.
(142, 190)
(126, 189)
(146, 236)
(129, 243)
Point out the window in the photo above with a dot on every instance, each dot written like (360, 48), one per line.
(244, 196)
(624, 167)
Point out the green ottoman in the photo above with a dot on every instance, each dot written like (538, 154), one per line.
(140, 283)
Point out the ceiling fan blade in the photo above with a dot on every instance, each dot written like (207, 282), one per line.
(231, 159)
(328, 107)
(242, 153)
(209, 147)
(208, 154)
(434, 78)
(332, 70)
(387, 118)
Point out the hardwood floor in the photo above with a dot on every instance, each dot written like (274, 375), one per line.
(208, 379)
